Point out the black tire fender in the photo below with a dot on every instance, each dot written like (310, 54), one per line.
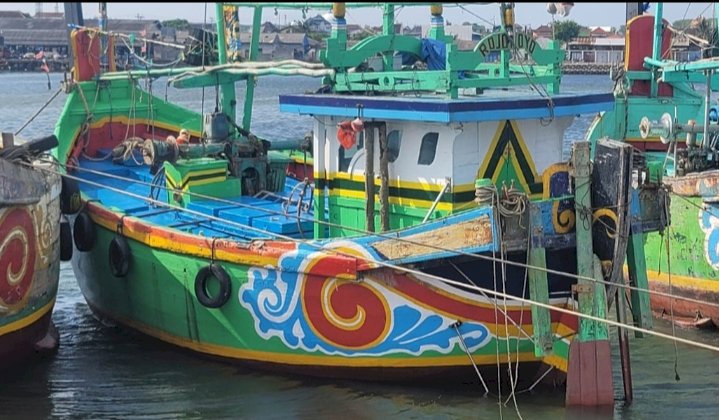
(119, 256)
(83, 232)
(216, 271)
(70, 199)
(65, 241)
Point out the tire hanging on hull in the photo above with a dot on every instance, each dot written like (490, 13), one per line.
(212, 270)
(83, 232)
(70, 200)
(119, 256)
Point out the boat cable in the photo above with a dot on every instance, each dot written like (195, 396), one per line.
(494, 203)
(456, 326)
(420, 275)
(386, 236)
(148, 63)
(129, 37)
(521, 321)
(540, 89)
(89, 118)
(504, 313)
(671, 301)
(39, 111)
(503, 268)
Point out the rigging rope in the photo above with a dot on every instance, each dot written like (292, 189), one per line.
(385, 236)
(418, 274)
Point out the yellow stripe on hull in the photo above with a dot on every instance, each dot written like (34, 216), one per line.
(28, 320)
(326, 360)
(684, 281)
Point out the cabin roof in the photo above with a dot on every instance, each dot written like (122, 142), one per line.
(447, 110)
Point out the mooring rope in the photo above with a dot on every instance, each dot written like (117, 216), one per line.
(431, 246)
(469, 355)
(39, 111)
(393, 266)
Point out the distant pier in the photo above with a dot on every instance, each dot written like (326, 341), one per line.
(27, 64)
(570, 67)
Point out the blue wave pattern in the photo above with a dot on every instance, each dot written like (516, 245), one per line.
(710, 225)
(273, 299)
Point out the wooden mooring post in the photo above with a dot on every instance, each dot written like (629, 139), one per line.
(589, 376)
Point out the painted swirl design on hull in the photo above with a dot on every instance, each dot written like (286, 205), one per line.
(709, 224)
(17, 256)
(347, 313)
(369, 317)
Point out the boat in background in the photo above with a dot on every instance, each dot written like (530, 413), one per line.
(471, 245)
(29, 250)
(665, 109)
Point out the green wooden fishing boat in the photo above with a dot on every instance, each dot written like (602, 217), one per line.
(665, 108)
(438, 237)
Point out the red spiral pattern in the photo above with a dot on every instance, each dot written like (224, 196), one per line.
(16, 227)
(347, 301)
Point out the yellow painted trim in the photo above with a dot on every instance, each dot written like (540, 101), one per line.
(513, 154)
(24, 322)
(547, 176)
(557, 361)
(399, 183)
(327, 360)
(180, 247)
(174, 184)
(401, 201)
(218, 171)
(685, 281)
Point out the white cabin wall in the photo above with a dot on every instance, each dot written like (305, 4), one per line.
(475, 142)
(468, 153)
(545, 143)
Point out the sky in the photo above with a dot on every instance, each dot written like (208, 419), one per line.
(533, 14)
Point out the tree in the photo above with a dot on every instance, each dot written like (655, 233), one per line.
(176, 23)
(566, 30)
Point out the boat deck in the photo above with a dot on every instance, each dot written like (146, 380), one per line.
(263, 217)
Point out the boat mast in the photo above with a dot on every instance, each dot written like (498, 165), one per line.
(227, 90)
(102, 23)
(657, 47)
(73, 17)
(254, 52)
(634, 10)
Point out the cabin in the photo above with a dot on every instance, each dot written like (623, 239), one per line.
(436, 150)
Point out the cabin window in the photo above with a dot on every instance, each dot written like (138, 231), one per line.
(346, 155)
(394, 141)
(428, 149)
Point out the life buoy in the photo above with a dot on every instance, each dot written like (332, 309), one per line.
(65, 241)
(83, 232)
(69, 196)
(119, 256)
(216, 271)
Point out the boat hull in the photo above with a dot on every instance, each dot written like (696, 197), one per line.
(30, 263)
(387, 326)
(685, 262)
